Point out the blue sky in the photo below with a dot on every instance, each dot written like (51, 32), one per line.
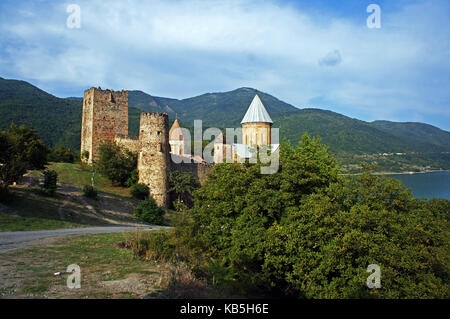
(308, 53)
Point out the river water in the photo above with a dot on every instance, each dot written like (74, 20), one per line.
(433, 184)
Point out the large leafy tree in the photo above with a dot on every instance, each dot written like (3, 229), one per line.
(323, 249)
(182, 185)
(238, 204)
(21, 149)
(116, 163)
(309, 232)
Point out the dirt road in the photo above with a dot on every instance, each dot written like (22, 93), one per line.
(17, 239)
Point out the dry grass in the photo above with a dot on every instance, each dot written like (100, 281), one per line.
(180, 283)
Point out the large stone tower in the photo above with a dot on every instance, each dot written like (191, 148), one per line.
(256, 124)
(105, 114)
(153, 157)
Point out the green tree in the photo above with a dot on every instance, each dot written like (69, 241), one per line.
(308, 232)
(116, 163)
(21, 149)
(237, 205)
(323, 249)
(50, 180)
(29, 146)
(182, 185)
(139, 191)
(133, 179)
(90, 192)
(61, 154)
(150, 212)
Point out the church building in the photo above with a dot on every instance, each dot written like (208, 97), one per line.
(256, 131)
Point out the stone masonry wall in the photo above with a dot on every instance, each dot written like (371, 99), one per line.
(131, 143)
(105, 118)
(198, 170)
(153, 158)
(105, 114)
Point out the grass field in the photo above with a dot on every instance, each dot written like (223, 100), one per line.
(17, 223)
(30, 210)
(107, 271)
(78, 176)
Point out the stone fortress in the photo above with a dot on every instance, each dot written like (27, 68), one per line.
(105, 118)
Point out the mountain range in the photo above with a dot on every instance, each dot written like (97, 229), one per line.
(58, 120)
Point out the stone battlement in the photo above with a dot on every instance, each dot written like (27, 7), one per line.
(154, 114)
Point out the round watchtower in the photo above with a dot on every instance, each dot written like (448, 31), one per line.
(153, 158)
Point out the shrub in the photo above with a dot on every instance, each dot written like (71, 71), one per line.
(152, 245)
(182, 187)
(139, 191)
(89, 192)
(5, 195)
(49, 184)
(133, 179)
(308, 232)
(60, 154)
(85, 155)
(21, 149)
(150, 212)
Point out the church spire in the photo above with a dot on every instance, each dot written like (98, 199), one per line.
(256, 112)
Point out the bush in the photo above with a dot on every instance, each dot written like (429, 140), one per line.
(182, 187)
(133, 179)
(60, 154)
(5, 195)
(84, 156)
(89, 192)
(150, 212)
(49, 184)
(307, 232)
(21, 149)
(152, 246)
(139, 191)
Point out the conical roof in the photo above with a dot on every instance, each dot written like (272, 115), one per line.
(256, 112)
(178, 134)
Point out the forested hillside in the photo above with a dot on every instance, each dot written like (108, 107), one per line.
(58, 121)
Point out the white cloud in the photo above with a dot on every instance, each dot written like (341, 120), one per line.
(183, 48)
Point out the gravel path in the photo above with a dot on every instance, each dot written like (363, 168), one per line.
(18, 239)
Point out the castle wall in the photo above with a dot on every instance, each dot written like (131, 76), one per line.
(87, 123)
(153, 158)
(105, 118)
(198, 170)
(105, 114)
(131, 143)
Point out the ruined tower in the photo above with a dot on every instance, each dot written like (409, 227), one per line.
(105, 114)
(153, 157)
